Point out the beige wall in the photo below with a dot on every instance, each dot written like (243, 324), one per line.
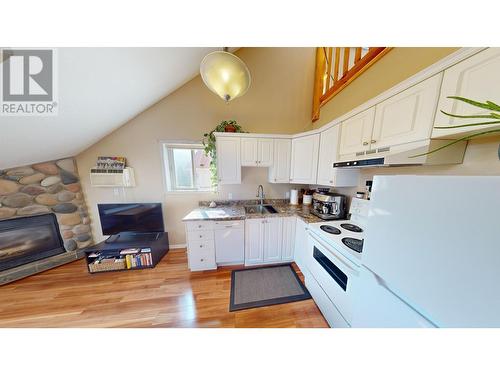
(279, 101)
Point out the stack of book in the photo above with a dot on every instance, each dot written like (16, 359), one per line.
(109, 164)
(137, 257)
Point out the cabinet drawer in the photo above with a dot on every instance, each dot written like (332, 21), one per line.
(229, 224)
(202, 235)
(202, 259)
(201, 245)
(199, 225)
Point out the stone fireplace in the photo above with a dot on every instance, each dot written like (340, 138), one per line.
(35, 191)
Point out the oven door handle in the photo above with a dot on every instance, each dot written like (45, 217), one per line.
(323, 244)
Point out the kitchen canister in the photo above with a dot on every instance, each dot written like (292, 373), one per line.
(307, 199)
(294, 197)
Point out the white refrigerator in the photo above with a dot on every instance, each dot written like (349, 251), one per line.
(431, 254)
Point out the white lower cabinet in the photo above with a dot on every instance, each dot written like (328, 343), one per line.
(272, 235)
(301, 246)
(288, 239)
(254, 232)
(269, 240)
(201, 247)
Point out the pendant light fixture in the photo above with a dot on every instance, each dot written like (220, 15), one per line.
(225, 74)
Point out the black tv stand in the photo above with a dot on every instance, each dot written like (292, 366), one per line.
(127, 237)
(155, 244)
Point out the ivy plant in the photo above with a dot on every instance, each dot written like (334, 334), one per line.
(210, 148)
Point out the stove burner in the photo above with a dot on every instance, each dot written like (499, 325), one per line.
(351, 227)
(353, 244)
(330, 229)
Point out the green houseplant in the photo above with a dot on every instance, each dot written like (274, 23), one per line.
(226, 126)
(494, 115)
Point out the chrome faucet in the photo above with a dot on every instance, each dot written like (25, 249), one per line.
(260, 194)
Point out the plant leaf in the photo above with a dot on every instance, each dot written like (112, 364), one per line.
(494, 106)
(466, 125)
(473, 102)
(466, 138)
(491, 115)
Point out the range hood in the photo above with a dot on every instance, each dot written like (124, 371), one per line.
(403, 155)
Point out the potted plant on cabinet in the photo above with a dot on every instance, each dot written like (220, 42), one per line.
(226, 126)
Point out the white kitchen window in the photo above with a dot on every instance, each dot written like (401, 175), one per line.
(187, 168)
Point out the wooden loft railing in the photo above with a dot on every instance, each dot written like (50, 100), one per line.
(336, 67)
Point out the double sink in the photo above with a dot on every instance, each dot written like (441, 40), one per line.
(260, 209)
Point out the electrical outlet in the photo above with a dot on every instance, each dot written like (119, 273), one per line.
(230, 196)
(287, 194)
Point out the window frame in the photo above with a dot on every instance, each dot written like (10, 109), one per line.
(169, 170)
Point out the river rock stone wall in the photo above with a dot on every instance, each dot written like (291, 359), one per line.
(48, 187)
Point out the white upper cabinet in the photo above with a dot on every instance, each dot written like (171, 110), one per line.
(228, 160)
(256, 152)
(356, 132)
(304, 164)
(407, 116)
(249, 152)
(328, 149)
(280, 170)
(476, 78)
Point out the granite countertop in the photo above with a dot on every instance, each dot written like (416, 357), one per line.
(234, 210)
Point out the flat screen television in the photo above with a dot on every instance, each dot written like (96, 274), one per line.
(130, 217)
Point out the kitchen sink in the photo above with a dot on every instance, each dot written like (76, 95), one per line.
(258, 209)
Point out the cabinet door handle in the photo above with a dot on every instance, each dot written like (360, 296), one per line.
(373, 141)
(365, 143)
(201, 245)
(201, 236)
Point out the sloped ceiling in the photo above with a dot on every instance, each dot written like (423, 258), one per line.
(99, 90)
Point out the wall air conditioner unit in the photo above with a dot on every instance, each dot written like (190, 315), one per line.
(118, 178)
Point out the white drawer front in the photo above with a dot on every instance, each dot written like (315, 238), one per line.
(202, 235)
(202, 245)
(199, 225)
(202, 259)
(328, 309)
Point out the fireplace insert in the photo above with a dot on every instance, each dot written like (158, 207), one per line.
(27, 239)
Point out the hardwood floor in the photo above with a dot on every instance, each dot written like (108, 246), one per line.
(166, 296)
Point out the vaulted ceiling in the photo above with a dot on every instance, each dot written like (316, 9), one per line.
(100, 89)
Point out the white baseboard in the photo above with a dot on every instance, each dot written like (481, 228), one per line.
(178, 246)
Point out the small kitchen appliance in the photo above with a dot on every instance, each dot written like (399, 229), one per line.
(329, 206)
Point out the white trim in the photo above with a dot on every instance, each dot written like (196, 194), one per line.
(437, 67)
(178, 246)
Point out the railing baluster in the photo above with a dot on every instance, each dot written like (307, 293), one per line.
(347, 51)
(337, 61)
(329, 67)
(357, 56)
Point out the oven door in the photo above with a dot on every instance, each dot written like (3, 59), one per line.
(334, 273)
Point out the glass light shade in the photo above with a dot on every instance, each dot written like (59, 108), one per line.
(225, 74)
